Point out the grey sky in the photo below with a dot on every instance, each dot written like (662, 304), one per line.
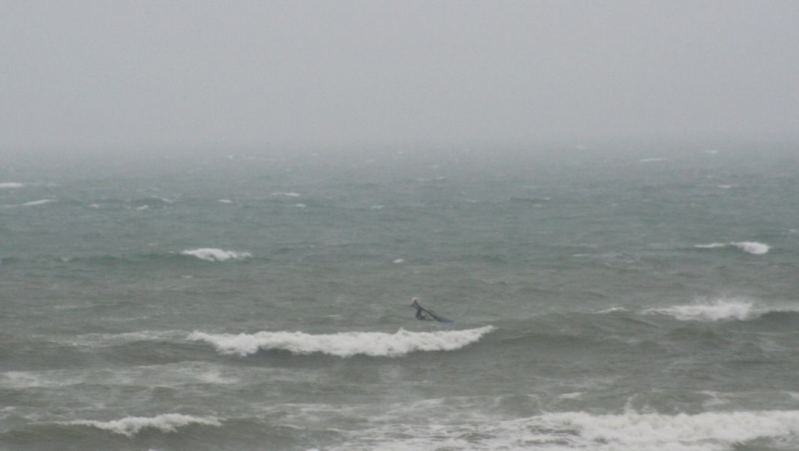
(126, 74)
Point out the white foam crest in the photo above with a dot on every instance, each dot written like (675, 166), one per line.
(750, 247)
(216, 255)
(34, 203)
(130, 426)
(704, 431)
(715, 310)
(630, 431)
(710, 246)
(287, 194)
(10, 185)
(343, 344)
(723, 309)
(104, 339)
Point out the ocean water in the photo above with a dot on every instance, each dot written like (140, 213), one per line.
(637, 298)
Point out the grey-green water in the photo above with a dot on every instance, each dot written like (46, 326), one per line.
(619, 300)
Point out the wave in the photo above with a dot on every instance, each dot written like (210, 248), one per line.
(34, 203)
(162, 375)
(10, 185)
(130, 426)
(718, 310)
(708, 431)
(216, 255)
(710, 246)
(750, 247)
(115, 339)
(286, 194)
(343, 344)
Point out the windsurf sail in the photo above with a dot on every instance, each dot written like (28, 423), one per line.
(424, 314)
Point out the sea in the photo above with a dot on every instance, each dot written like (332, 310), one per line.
(619, 297)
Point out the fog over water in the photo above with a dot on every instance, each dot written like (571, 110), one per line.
(125, 75)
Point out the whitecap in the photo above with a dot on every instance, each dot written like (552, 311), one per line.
(710, 246)
(34, 203)
(628, 431)
(724, 309)
(225, 201)
(716, 310)
(752, 247)
(343, 344)
(130, 426)
(287, 194)
(11, 185)
(216, 255)
(652, 160)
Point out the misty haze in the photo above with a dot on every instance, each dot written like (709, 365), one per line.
(407, 225)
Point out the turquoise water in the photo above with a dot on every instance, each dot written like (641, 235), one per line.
(637, 298)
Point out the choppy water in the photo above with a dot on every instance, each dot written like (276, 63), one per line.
(640, 300)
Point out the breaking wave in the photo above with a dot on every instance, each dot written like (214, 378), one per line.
(718, 310)
(130, 426)
(709, 431)
(750, 247)
(344, 344)
(216, 255)
(10, 185)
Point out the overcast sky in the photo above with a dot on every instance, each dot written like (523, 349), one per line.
(182, 73)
